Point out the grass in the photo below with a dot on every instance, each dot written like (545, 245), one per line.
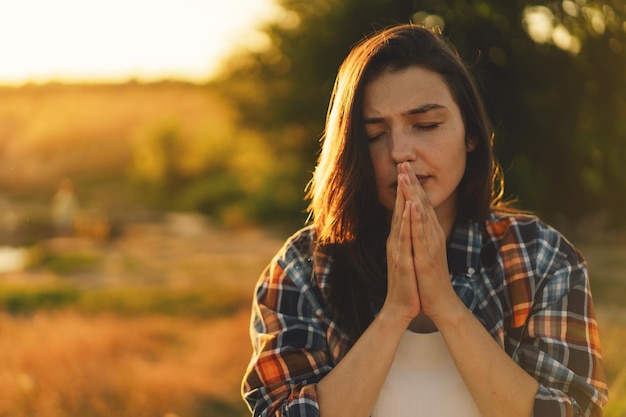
(58, 364)
(607, 269)
(66, 363)
(71, 263)
(151, 323)
(155, 323)
(153, 365)
(21, 300)
(197, 302)
(612, 324)
(607, 274)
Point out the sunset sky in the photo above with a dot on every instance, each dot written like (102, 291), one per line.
(114, 40)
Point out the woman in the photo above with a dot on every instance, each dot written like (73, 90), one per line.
(412, 263)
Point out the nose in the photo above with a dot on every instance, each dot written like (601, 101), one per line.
(402, 148)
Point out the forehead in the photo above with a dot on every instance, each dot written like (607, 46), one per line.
(401, 90)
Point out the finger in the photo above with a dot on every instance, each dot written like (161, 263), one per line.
(402, 290)
(405, 246)
(427, 237)
(398, 211)
(401, 247)
(413, 191)
(418, 226)
(411, 187)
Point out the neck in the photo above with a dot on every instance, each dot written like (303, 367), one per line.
(447, 220)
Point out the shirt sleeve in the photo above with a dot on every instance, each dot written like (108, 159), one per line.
(290, 349)
(560, 346)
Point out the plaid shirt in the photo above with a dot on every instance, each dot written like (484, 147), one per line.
(526, 284)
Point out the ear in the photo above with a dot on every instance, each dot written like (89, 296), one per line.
(470, 144)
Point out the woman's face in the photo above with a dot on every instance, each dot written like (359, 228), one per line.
(410, 116)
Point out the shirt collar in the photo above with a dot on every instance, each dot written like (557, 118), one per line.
(464, 246)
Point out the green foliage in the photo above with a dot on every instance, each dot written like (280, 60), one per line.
(209, 407)
(70, 262)
(242, 149)
(212, 194)
(557, 113)
(198, 302)
(558, 103)
(23, 300)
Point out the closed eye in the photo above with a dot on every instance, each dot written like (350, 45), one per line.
(426, 126)
(375, 137)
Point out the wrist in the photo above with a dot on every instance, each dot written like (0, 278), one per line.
(452, 316)
(393, 319)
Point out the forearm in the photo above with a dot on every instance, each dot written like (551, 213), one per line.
(353, 386)
(498, 385)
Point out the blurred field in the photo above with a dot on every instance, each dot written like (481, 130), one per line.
(155, 324)
(606, 257)
(68, 364)
(169, 145)
(141, 335)
(52, 131)
(144, 313)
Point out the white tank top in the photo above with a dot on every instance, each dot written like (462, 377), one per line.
(424, 381)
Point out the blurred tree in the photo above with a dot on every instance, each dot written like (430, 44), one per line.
(554, 76)
(553, 73)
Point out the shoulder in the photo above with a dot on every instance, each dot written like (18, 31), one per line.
(286, 285)
(500, 225)
(527, 235)
(520, 228)
(292, 264)
(298, 247)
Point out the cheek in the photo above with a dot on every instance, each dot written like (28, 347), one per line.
(377, 165)
(383, 177)
(453, 152)
(458, 164)
(379, 178)
(381, 173)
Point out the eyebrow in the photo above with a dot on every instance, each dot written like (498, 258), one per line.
(418, 110)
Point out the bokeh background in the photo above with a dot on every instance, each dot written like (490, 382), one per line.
(153, 157)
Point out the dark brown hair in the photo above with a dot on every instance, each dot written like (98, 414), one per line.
(349, 221)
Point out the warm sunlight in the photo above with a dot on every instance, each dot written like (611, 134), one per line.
(539, 23)
(114, 40)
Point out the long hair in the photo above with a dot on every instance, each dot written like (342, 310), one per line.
(348, 218)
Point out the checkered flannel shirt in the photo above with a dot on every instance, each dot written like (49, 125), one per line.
(526, 284)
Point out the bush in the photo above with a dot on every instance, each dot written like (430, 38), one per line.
(200, 303)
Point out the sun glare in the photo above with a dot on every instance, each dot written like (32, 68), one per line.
(540, 24)
(113, 40)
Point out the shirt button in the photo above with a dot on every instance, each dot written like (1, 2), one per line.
(471, 271)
